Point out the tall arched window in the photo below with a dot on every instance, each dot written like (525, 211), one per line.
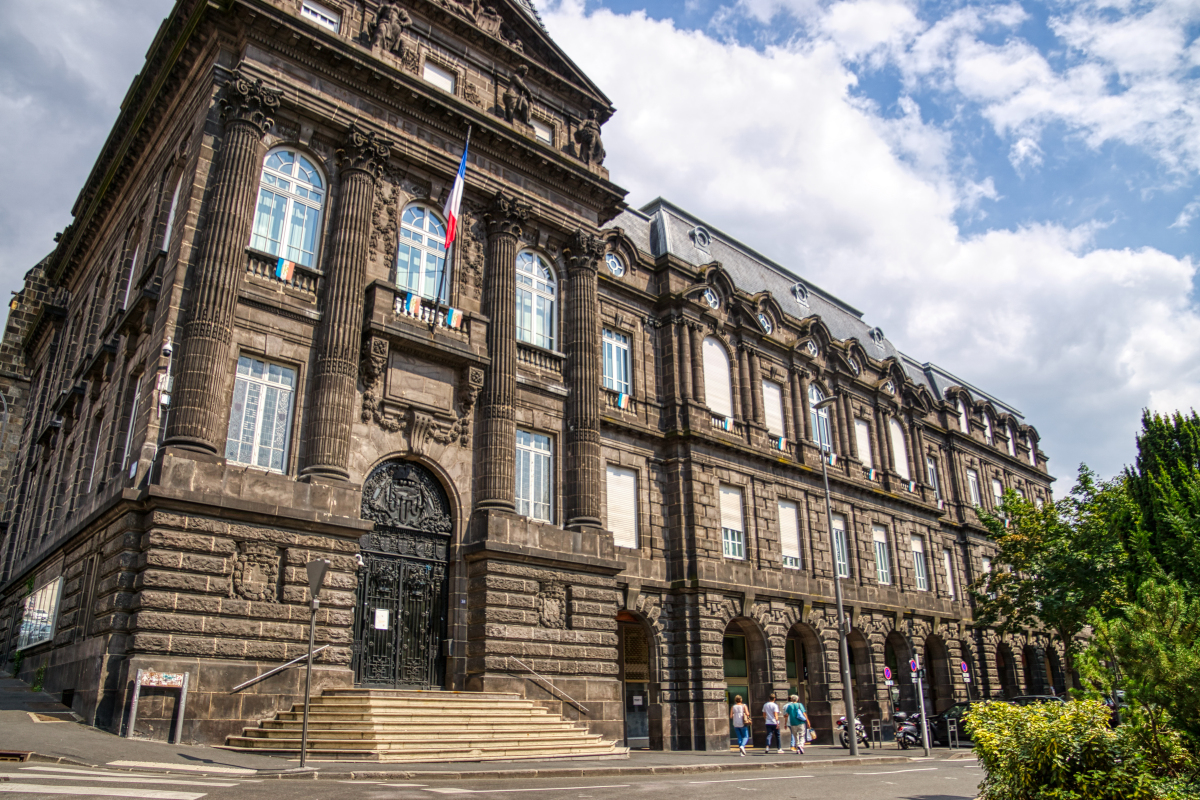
(819, 420)
(899, 447)
(537, 294)
(421, 254)
(718, 392)
(287, 221)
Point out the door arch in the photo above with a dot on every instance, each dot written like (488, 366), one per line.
(637, 650)
(896, 655)
(1006, 671)
(1054, 672)
(937, 671)
(401, 606)
(807, 676)
(747, 670)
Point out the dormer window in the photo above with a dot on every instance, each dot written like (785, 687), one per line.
(765, 323)
(325, 17)
(711, 299)
(800, 292)
(614, 264)
(543, 132)
(700, 237)
(877, 336)
(853, 365)
(810, 347)
(440, 77)
(889, 387)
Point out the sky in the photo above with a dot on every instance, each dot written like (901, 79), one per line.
(1009, 190)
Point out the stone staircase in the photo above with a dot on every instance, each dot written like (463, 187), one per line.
(422, 726)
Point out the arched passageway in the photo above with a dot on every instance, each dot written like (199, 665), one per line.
(1034, 670)
(862, 671)
(1055, 675)
(636, 656)
(938, 676)
(896, 654)
(1006, 671)
(747, 670)
(808, 678)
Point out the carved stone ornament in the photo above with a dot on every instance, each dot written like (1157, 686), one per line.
(552, 605)
(507, 215)
(591, 148)
(584, 250)
(387, 33)
(256, 572)
(364, 151)
(403, 494)
(517, 98)
(371, 369)
(249, 101)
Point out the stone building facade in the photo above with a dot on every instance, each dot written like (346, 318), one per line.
(580, 443)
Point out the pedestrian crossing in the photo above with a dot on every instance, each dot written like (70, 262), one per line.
(70, 781)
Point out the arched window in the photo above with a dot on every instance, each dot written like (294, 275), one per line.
(987, 429)
(421, 254)
(718, 391)
(537, 292)
(1012, 441)
(819, 419)
(287, 221)
(964, 421)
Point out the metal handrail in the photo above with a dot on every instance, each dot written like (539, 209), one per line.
(550, 685)
(280, 668)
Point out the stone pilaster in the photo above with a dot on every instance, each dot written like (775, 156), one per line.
(683, 365)
(744, 412)
(581, 328)
(200, 409)
(495, 482)
(756, 396)
(800, 401)
(335, 378)
(695, 336)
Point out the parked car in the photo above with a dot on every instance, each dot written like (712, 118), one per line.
(940, 727)
(1033, 699)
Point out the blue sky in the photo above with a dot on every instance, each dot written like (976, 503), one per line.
(1008, 189)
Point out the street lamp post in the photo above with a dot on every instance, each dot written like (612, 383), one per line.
(920, 689)
(843, 645)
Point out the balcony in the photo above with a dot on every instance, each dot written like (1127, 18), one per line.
(727, 425)
(428, 312)
(618, 401)
(298, 278)
(540, 359)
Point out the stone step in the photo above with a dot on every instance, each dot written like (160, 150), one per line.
(506, 745)
(430, 758)
(420, 719)
(384, 724)
(421, 693)
(327, 734)
(423, 705)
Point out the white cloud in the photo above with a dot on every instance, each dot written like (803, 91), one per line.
(1024, 153)
(771, 146)
(1189, 212)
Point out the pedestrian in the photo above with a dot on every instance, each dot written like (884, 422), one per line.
(797, 717)
(771, 713)
(739, 717)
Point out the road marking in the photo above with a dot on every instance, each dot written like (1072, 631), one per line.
(98, 791)
(551, 789)
(898, 771)
(114, 779)
(183, 767)
(739, 780)
(401, 785)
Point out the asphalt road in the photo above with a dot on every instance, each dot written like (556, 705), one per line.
(930, 780)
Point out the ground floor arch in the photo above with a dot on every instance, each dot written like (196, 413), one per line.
(1055, 675)
(637, 650)
(863, 674)
(938, 675)
(1006, 672)
(808, 676)
(896, 654)
(747, 670)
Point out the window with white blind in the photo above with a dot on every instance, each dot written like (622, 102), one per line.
(821, 432)
(166, 242)
(862, 438)
(260, 420)
(133, 410)
(616, 361)
(789, 533)
(948, 563)
(988, 433)
(535, 469)
(773, 406)
(964, 421)
(718, 392)
(997, 491)
(733, 537)
(919, 570)
(1032, 451)
(622, 506)
(973, 486)
(931, 471)
(1012, 442)
(883, 559)
(899, 448)
(444, 79)
(325, 17)
(841, 552)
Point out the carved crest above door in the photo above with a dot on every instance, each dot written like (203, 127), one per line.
(403, 494)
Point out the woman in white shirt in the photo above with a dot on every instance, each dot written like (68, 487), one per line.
(739, 717)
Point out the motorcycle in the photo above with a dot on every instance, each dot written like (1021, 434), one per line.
(859, 730)
(908, 731)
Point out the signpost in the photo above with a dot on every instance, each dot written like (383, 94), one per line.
(316, 577)
(159, 680)
(966, 675)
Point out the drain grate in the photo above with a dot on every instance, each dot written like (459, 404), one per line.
(14, 755)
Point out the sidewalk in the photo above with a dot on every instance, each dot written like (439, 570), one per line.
(36, 723)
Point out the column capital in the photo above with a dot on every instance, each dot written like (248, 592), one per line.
(506, 215)
(365, 151)
(249, 102)
(583, 251)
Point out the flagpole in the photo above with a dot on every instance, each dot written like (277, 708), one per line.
(451, 254)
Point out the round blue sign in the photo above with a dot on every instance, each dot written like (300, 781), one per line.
(965, 668)
(887, 673)
(912, 664)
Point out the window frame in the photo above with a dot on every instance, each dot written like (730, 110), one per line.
(440, 71)
(732, 546)
(931, 474)
(292, 198)
(711, 344)
(798, 559)
(948, 564)
(883, 558)
(777, 389)
(535, 454)
(997, 492)
(840, 544)
(899, 448)
(613, 343)
(819, 419)
(920, 564)
(289, 425)
(548, 332)
(321, 15)
(862, 436)
(973, 487)
(629, 473)
(426, 248)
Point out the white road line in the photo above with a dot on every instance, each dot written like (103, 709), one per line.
(98, 791)
(403, 785)
(739, 780)
(131, 779)
(550, 789)
(183, 767)
(71, 771)
(898, 771)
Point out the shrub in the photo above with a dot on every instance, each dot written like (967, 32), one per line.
(39, 679)
(1055, 751)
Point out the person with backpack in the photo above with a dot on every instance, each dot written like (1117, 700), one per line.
(739, 717)
(797, 717)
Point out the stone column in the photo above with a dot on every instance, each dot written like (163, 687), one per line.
(844, 415)
(696, 341)
(200, 408)
(803, 423)
(756, 398)
(742, 370)
(581, 328)
(335, 379)
(683, 354)
(495, 483)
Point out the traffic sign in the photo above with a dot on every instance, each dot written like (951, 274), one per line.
(965, 668)
(912, 664)
(887, 673)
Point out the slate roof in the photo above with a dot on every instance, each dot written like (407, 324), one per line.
(661, 227)
(528, 7)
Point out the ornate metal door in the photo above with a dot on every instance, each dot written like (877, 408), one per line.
(400, 611)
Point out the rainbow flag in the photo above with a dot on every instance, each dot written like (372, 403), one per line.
(871, 474)
(284, 269)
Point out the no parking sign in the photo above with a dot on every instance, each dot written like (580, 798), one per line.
(887, 676)
(966, 672)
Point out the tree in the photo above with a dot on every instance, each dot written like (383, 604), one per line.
(1056, 563)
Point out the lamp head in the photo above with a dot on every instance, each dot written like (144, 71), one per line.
(826, 403)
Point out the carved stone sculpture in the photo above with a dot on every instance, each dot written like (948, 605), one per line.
(256, 572)
(518, 98)
(591, 148)
(390, 23)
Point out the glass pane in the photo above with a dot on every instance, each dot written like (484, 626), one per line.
(268, 221)
(302, 234)
(250, 421)
(236, 413)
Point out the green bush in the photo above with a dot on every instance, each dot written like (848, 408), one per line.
(39, 678)
(1056, 751)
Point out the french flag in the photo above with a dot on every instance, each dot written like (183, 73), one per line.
(454, 201)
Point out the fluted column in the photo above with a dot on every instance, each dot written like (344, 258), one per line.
(743, 379)
(696, 342)
(581, 324)
(495, 482)
(683, 359)
(335, 379)
(200, 408)
(799, 402)
(756, 398)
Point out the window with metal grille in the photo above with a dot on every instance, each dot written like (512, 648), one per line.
(260, 420)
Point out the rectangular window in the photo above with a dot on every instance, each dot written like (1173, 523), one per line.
(789, 533)
(40, 615)
(841, 553)
(773, 407)
(622, 506)
(987, 571)
(616, 362)
(997, 491)
(439, 77)
(97, 444)
(260, 420)
(325, 17)
(535, 463)
(918, 551)
(973, 485)
(862, 437)
(1032, 451)
(733, 537)
(129, 281)
(133, 410)
(948, 563)
(883, 560)
(542, 131)
(899, 448)
(166, 242)
(932, 474)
